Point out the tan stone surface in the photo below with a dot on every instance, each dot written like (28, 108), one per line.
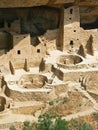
(69, 87)
(30, 3)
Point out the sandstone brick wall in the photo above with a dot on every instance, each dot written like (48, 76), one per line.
(88, 77)
(71, 28)
(27, 95)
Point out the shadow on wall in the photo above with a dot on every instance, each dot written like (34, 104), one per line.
(2, 103)
(35, 20)
(88, 26)
(5, 42)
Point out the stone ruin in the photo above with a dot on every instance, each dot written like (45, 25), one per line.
(48, 52)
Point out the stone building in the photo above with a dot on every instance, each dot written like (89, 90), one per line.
(30, 30)
(71, 27)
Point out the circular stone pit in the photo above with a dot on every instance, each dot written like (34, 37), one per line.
(31, 81)
(69, 61)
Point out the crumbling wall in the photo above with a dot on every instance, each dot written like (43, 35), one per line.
(86, 78)
(85, 35)
(50, 40)
(23, 50)
(30, 3)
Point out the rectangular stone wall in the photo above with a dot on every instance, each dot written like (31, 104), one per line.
(86, 77)
(29, 95)
(71, 28)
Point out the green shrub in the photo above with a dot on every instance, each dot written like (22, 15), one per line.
(84, 126)
(95, 116)
(60, 124)
(51, 103)
(65, 100)
(44, 122)
(27, 126)
(12, 128)
(74, 123)
(26, 123)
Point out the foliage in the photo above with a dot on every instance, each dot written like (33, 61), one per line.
(50, 122)
(46, 122)
(51, 103)
(79, 124)
(84, 126)
(27, 126)
(12, 128)
(95, 116)
(26, 123)
(73, 123)
(60, 124)
(65, 100)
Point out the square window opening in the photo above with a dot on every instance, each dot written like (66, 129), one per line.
(38, 50)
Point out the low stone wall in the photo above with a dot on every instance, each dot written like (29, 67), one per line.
(86, 77)
(6, 126)
(76, 75)
(28, 110)
(27, 95)
(95, 96)
(78, 66)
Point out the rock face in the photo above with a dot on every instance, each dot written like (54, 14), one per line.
(30, 3)
(35, 20)
(89, 16)
(88, 2)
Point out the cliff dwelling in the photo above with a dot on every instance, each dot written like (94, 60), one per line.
(48, 52)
